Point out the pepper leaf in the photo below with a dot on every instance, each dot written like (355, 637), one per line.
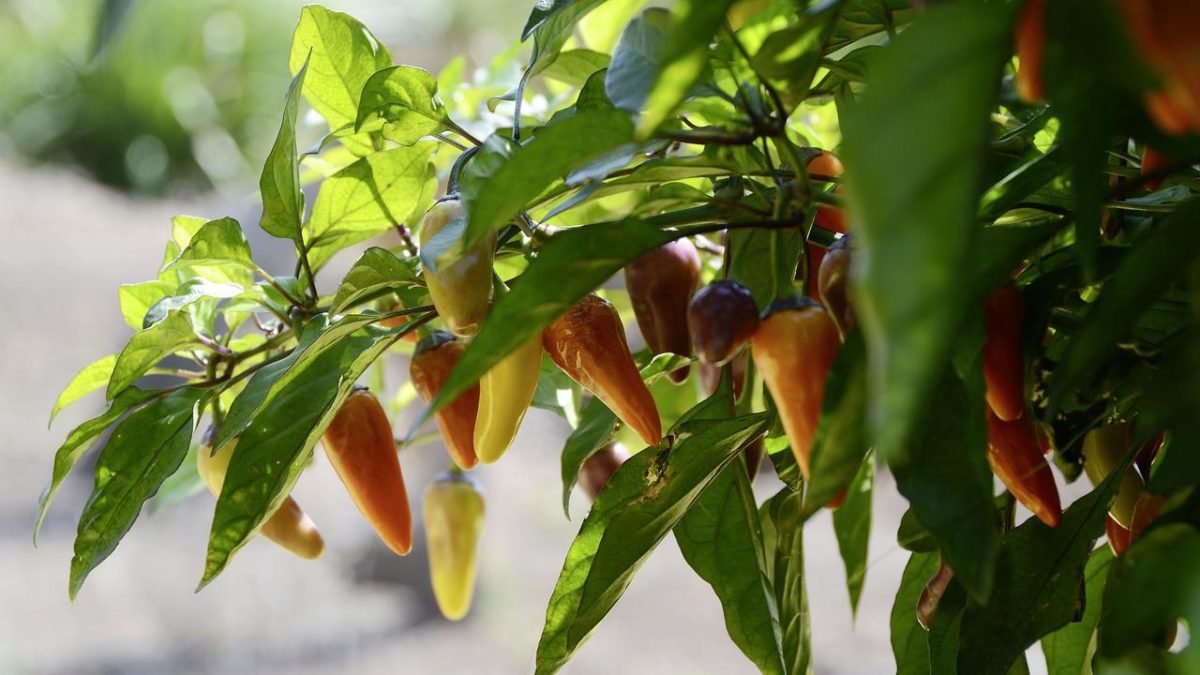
(148, 347)
(283, 202)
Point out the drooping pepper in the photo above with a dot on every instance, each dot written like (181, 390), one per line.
(794, 348)
(1015, 455)
(362, 450)
(600, 467)
(505, 392)
(1153, 160)
(1031, 49)
(831, 218)
(710, 375)
(1003, 362)
(1104, 449)
(833, 283)
(588, 343)
(1164, 33)
(932, 594)
(431, 363)
(461, 291)
(289, 526)
(1119, 537)
(721, 318)
(454, 512)
(660, 284)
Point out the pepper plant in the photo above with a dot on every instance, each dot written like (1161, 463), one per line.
(1010, 190)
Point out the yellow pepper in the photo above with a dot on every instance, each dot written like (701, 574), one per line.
(453, 521)
(1103, 450)
(504, 395)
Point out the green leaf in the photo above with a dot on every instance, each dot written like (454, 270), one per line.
(765, 261)
(406, 98)
(557, 393)
(494, 198)
(344, 55)
(913, 536)
(189, 293)
(378, 271)
(1151, 584)
(1170, 401)
(545, 10)
(596, 426)
(947, 480)
(684, 57)
(218, 252)
(852, 525)
(1069, 649)
(1022, 182)
(93, 376)
(137, 299)
(917, 230)
(568, 267)
(645, 498)
(783, 547)
(283, 202)
(276, 445)
(910, 642)
(72, 450)
(1145, 273)
(148, 347)
(144, 450)
(792, 55)
(1039, 572)
(721, 538)
(945, 633)
(551, 31)
(369, 197)
(637, 59)
(840, 442)
(574, 67)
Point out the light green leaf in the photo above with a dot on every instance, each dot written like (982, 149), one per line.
(93, 376)
(575, 66)
(279, 185)
(218, 252)
(187, 294)
(783, 547)
(148, 347)
(137, 299)
(144, 450)
(917, 228)
(645, 498)
(377, 272)
(406, 98)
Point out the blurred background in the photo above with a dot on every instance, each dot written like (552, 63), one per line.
(115, 116)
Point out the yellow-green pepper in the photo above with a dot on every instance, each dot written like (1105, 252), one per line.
(461, 291)
(453, 521)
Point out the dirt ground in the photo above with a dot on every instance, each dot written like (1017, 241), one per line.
(68, 244)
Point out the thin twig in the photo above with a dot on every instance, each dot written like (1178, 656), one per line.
(406, 238)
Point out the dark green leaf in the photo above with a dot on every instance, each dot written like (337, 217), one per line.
(283, 202)
(1170, 402)
(913, 536)
(1145, 273)
(765, 261)
(1001, 249)
(143, 451)
(378, 271)
(685, 53)
(946, 632)
(783, 550)
(637, 59)
(852, 525)
(1069, 649)
(407, 99)
(369, 197)
(71, 451)
(1022, 182)
(645, 499)
(910, 642)
(557, 393)
(840, 442)
(94, 375)
(791, 55)
(922, 171)
(148, 347)
(596, 425)
(494, 198)
(568, 267)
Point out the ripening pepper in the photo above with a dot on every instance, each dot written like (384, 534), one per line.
(721, 318)
(454, 512)
(1103, 451)
(794, 348)
(362, 450)
(505, 392)
(431, 363)
(831, 218)
(1031, 50)
(289, 526)
(1016, 458)
(588, 343)
(1164, 33)
(660, 284)
(833, 283)
(932, 594)
(461, 291)
(1151, 161)
(397, 321)
(1119, 537)
(600, 467)
(710, 375)
(1003, 362)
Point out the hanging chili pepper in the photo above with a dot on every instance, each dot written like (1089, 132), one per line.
(660, 284)
(454, 511)
(1031, 49)
(505, 392)
(431, 363)
(794, 348)
(1003, 361)
(362, 450)
(588, 343)
(721, 318)
(1103, 451)
(831, 218)
(1164, 33)
(1016, 458)
(289, 526)
(461, 291)
(1152, 160)
(833, 284)
(710, 375)
(1119, 537)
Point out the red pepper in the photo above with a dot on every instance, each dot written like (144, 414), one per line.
(1003, 362)
(1017, 460)
(833, 283)
(721, 318)
(660, 284)
(431, 364)
(1151, 161)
